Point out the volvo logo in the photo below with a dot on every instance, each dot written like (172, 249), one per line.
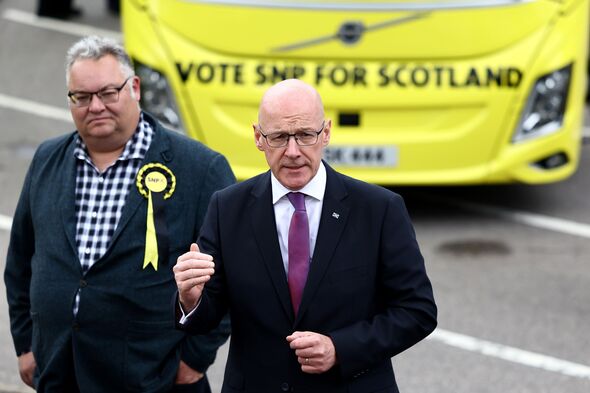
(350, 32)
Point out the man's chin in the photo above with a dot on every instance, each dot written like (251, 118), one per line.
(100, 129)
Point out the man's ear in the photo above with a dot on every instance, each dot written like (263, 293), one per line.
(257, 137)
(327, 132)
(136, 87)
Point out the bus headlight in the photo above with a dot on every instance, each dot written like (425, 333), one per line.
(157, 97)
(544, 110)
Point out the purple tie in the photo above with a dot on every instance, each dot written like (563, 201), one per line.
(298, 248)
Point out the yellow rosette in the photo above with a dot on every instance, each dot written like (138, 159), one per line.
(157, 183)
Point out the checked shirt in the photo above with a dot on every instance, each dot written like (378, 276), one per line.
(100, 197)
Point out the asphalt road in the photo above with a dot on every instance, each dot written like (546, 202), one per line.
(510, 264)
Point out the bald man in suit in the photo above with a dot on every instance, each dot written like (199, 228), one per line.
(321, 315)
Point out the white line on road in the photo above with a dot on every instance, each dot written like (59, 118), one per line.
(5, 222)
(531, 219)
(35, 108)
(75, 29)
(511, 354)
(534, 220)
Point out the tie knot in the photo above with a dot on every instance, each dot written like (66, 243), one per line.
(297, 199)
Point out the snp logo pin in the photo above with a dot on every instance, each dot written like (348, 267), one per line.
(335, 215)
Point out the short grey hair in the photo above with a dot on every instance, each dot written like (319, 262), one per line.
(95, 48)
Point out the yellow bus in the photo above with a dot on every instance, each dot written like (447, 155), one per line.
(426, 92)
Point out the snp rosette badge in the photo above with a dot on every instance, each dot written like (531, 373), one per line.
(157, 183)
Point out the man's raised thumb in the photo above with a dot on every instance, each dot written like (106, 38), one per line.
(194, 247)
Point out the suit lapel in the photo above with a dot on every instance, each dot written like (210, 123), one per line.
(68, 198)
(332, 223)
(264, 228)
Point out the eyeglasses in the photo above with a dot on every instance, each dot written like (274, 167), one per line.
(108, 95)
(303, 138)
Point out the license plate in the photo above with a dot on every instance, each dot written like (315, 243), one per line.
(359, 156)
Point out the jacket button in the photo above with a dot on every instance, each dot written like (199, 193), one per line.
(285, 387)
(75, 326)
(83, 283)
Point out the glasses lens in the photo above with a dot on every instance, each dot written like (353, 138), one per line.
(108, 96)
(278, 139)
(306, 138)
(80, 99)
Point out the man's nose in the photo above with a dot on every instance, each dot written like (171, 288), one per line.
(96, 104)
(292, 147)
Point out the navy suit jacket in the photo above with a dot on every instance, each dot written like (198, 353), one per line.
(367, 288)
(123, 337)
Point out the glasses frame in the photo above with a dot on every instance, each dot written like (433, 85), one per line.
(294, 135)
(98, 93)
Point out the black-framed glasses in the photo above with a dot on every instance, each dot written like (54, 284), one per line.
(281, 139)
(108, 95)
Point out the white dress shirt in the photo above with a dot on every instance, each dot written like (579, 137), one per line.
(314, 197)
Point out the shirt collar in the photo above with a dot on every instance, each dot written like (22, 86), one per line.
(315, 188)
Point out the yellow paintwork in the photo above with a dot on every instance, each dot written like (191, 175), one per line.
(444, 133)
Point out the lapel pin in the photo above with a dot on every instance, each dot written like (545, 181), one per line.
(335, 215)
